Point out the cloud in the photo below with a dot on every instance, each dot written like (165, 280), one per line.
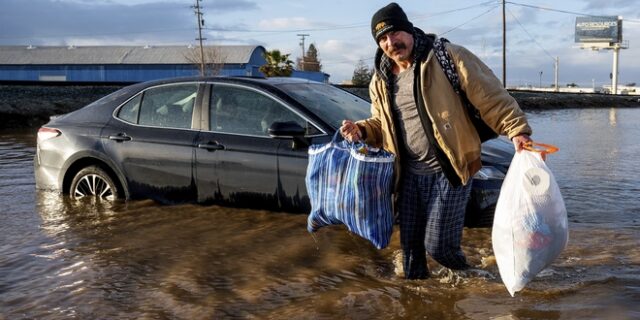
(339, 57)
(344, 50)
(285, 23)
(342, 36)
(612, 5)
(104, 22)
(222, 6)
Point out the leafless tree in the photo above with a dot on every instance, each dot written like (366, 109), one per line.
(214, 59)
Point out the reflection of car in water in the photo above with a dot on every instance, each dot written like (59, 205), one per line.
(496, 157)
(231, 141)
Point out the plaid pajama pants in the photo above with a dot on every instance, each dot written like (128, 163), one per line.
(431, 213)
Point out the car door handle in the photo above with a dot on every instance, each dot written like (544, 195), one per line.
(211, 146)
(120, 137)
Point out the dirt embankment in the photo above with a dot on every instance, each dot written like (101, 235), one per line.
(532, 100)
(24, 106)
(31, 105)
(529, 100)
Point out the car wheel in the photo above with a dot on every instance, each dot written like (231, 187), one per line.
(93, 181)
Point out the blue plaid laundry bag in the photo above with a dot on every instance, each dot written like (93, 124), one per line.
(351, 183)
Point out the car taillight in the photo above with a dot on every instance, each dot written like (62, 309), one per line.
(47, 133)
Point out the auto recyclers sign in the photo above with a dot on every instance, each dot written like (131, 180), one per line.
(599, 29)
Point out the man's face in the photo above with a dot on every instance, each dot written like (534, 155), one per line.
(397, 45)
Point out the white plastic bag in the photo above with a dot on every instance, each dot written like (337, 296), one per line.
(530, 227)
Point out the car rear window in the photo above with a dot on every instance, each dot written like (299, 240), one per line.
(129, 111)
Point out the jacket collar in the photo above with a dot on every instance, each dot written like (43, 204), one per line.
(422, 44)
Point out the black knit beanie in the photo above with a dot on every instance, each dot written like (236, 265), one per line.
(389, 18)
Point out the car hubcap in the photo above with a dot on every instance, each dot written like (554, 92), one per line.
(95, 186)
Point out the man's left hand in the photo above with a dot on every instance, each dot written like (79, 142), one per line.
(520, 141)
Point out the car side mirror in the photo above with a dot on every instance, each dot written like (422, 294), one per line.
(289, 130)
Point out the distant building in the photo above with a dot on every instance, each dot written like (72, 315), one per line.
(624, 90)
(605, 89)
(130, 63)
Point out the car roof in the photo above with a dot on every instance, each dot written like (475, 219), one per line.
(231, 79)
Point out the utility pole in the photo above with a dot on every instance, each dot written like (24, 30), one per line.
(504, 45)
(614, 77)
(200, 25)
(540, 86)
(557, 66)
(302, 36)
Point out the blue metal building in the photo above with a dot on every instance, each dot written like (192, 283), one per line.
(130, 63)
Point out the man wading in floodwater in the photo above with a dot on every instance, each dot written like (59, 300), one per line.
(418, 116)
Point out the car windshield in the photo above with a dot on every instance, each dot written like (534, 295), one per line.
(330, 103)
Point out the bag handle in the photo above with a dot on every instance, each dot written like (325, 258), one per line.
(337, 137)
(541, 148)
(360, 146)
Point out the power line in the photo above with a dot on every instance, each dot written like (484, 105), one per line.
(530, 36)
(355, 25)
(565, 11)
(493, 8)
(319, 29)
(435, 14)
(454, 28)
(220, 29)
(550, 9)
(474, 18)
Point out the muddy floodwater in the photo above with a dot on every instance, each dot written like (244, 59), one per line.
(62, 259)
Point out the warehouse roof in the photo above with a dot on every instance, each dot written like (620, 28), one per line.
(25, 55)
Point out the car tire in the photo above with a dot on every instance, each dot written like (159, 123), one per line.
(93, 181)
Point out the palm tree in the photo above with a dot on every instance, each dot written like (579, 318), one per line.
(278, 64)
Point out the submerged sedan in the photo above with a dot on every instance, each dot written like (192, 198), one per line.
(232, 141)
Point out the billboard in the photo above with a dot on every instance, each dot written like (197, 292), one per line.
(599, 29)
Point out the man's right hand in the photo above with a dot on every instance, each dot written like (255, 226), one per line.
(350, 131)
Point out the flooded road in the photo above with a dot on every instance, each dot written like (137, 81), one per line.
(139, 260)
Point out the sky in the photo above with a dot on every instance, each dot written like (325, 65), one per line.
(538, 32)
